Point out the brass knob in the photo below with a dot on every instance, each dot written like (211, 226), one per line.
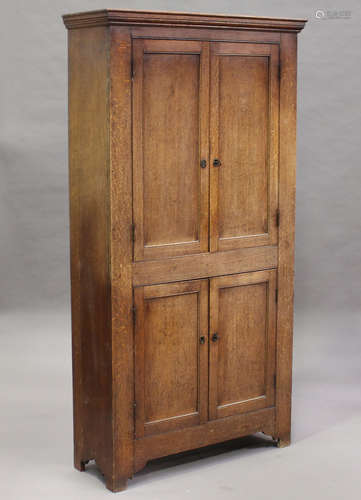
(216, 162)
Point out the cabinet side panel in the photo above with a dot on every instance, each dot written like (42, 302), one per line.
(121, 252)
(88, 177)
(287, 187)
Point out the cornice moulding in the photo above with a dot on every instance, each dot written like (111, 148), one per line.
(176, 19)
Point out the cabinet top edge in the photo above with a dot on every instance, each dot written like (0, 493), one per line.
(109, 17)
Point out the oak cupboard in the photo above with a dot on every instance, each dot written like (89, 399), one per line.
(182, 149)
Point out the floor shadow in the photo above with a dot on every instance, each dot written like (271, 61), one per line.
(187, 457)
(94, 471)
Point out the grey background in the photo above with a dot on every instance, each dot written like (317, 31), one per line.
(35, 382)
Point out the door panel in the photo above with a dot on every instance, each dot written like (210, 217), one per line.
(242, 357)
(244, 138)
(171, 362)
(170, 137)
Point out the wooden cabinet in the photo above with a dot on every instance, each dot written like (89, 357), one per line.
(182, 181)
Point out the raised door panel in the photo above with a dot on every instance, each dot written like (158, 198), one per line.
(171, 358)
(244, 145)
(170, 138)
(242, 343)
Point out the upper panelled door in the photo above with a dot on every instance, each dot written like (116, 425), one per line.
(170, 140)
(244, 126)
(242, 343)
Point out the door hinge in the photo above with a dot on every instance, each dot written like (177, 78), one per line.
(131, 69)
(134, 313)
(133, 232)
(278, 216)
(276, 295)
(279, 70)
(274, 380)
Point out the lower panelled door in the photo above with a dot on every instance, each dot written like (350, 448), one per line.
(242, 343)
(171, 356)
